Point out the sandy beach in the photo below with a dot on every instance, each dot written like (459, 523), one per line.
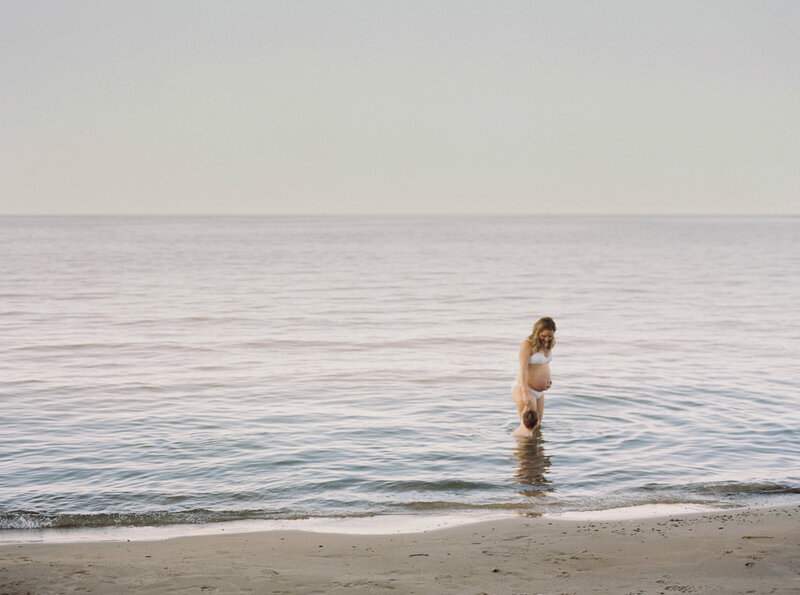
(737, 551)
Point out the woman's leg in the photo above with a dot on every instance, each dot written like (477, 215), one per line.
(540, 409)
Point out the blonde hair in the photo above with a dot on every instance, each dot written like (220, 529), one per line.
(543, 324)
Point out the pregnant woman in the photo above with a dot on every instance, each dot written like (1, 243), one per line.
(535, 354)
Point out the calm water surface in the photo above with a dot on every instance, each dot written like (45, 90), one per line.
(182, 370)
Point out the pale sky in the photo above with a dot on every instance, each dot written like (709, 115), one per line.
(463, 107)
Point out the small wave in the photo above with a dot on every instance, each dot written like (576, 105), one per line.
(28, 520)
(34, 521)
(71, 347)
(445, 485)
(748, 488)
(729, 488)
(461, 506)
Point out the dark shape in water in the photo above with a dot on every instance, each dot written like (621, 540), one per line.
(529, 418)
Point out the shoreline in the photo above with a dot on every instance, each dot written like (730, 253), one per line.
(387, 524)
(733, 550)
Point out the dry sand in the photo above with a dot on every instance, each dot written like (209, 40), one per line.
(738, 551)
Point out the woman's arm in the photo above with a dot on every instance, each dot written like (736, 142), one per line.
(524, 358)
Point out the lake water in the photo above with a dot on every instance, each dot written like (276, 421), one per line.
(169, 370)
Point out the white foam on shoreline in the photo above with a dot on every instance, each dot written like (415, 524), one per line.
(370, 525)
(375, 525)
(643, 511)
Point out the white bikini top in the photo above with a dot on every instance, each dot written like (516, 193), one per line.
(538, 358)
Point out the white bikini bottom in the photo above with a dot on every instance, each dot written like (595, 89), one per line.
(531, 392)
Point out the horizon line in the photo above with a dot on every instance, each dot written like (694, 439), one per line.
(399, 215)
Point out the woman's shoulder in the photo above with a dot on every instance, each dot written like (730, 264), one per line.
(525, 345)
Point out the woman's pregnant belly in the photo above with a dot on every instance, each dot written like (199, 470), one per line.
(539, 377)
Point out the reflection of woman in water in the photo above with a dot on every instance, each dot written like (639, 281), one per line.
(533, 467)
(535, 354)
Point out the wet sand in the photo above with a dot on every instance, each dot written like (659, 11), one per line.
(736, 551)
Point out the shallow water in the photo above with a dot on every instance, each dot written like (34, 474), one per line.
(162, 370)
